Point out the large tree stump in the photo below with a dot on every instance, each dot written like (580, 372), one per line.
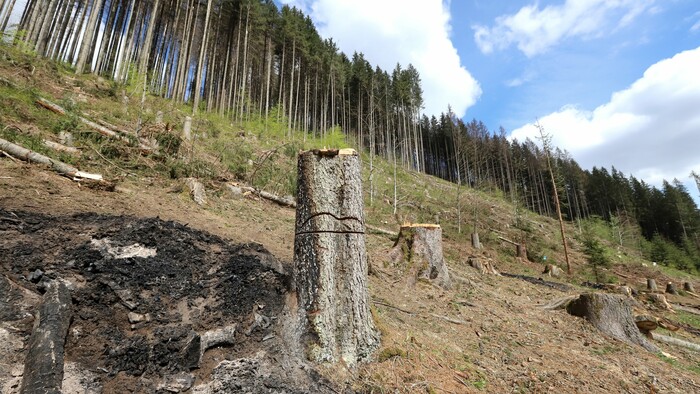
(612, 315)
(475, 241)
(687, 286)
(671, 288)
(651, 285)
(419, 246)
(43, 366)
(330, 259)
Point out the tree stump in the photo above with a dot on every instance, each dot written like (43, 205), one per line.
(671, 288)
(475, 241)
(651, 285)
(419, 247)
(521, 251)
(660, 301)
(553, 271)
(687, 286)
(187, 129)
(612, 315)
(483, 267)
(43, 366)
(330, 259)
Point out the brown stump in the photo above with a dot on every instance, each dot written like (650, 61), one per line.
(43, 367)
(671, 288)
(612, 315)
(651, 285)
(521, 251)
(419, 247)
(687, 286)
(330, 259)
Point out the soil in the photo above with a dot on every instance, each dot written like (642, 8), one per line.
(228, 263)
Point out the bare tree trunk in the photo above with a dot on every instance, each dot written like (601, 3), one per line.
(330, 259)
(200, 63)
(90, 33)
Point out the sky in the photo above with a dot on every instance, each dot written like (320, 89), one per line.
(614, 82)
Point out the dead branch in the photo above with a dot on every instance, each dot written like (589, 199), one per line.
(283, 201)
(449, 319)
(381, 230)
(61, 148)
(392, 307)
(509, 241)
(33, 157)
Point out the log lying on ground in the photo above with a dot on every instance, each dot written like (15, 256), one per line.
(43, 366)
(612, 315)
(62, 168)
(330, 258)
(676, 342)
(419, 248)
(283, 201)
(61, 148)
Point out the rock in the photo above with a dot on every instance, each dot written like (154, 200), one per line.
(35, 276)
(192, 352)
(219, 337)
(138, 318)
(177, 383)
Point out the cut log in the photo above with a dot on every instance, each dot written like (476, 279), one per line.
(283, 201)
(419, 249)
(330, 258)
(553, 270)
(677, 342)
(612, 315)
(651, 285)
(64, 169)
(475, 241)
(61, 148)
(687, 286)
(671, 288)
(43, 366)
(197, 191)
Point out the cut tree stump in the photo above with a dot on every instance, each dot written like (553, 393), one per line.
(612, 315)
(651, 285)
(660, 301)
(419, 248)
(687, 286)
(484, 267)
(521, 251)
(330, 258)
(553, 271)
(671, 288)
(197, 191)
(43, 366)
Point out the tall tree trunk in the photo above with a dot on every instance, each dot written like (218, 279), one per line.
(330, 260)
(90, 34)
(200, 63)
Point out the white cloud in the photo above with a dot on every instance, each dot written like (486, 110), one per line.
(651, 129)
(401, 31)
(535, 30)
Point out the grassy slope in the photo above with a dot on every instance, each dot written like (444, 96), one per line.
(501, 342)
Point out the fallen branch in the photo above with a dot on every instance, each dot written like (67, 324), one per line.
(33, 157)
(540, 281)
(94, 126)
(449, 319)
(381, 230)
(392, 307)
(676, 341)
(509, 241)
(688, 309)
(285, 202)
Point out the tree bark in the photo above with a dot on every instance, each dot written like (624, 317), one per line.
(671, 288)
(330, 259)
(651, 285)
(419, 246)
(43, 367)
(612, 315)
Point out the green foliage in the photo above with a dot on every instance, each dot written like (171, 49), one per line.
(596, 254)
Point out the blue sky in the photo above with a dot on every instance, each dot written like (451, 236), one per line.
(616, 82)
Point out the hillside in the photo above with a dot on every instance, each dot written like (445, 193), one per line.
(488, 333)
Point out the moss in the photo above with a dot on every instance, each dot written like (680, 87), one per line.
(390, 352)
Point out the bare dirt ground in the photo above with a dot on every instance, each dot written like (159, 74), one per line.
(486, 334)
